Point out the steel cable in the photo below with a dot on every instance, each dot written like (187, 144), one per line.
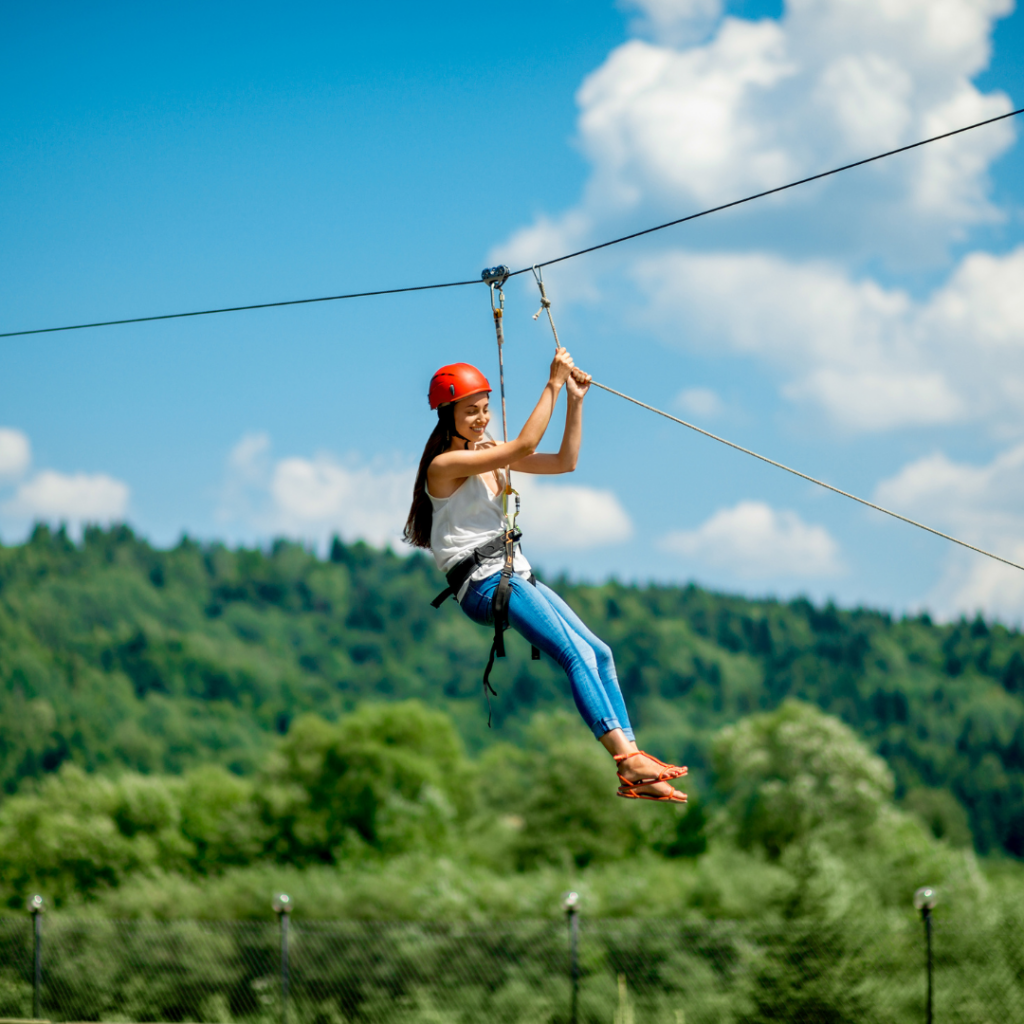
(558, 259)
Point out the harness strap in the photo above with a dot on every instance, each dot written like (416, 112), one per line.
(461, 571)
(502, 593)
(457, 576)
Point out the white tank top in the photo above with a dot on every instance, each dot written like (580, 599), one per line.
(463, 522)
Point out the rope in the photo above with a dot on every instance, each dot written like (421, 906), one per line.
(813, 480)
(545, 304)
(559, 259)
(495, 278)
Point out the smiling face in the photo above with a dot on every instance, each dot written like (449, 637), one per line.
(472, 414)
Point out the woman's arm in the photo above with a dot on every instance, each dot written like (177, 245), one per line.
(459, 464)
(576, 388)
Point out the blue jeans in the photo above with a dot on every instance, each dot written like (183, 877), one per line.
(541, 616)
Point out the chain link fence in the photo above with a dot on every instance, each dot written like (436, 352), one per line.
(629, 972)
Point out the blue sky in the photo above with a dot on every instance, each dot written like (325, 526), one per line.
(869, 330)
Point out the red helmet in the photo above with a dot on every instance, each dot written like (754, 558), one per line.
(455, 381)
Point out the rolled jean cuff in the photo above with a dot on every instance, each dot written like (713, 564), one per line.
(603, 725)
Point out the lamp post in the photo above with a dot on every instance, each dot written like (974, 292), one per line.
(924, 900)
(570, 904)
(35, 908)
(283, 907)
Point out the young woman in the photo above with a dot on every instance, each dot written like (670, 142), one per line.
(457, 513)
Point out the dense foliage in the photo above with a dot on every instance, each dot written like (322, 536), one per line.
(116, 655)
(789, 900)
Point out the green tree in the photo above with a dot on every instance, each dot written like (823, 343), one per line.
(78, 834)
(386, 779)
(794, 772)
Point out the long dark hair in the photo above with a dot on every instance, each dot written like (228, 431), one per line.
(421, 514)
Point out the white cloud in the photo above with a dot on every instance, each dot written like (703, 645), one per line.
(763, 102)
(872, 358)
(755, 541)
(677, 21)
(75, 498)
(317, 497)
(983, 505)
(314, 498)
(15, 454)
(700, 402)
(247, 461)
(569, 516)
(984, 501)
(676, 127)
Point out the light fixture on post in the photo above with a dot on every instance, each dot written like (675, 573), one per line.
(283, 907)
(571, 906)
(35, 908)
(925, 899)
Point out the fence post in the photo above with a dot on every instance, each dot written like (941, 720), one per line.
(283, 907)
(35, 908)
(570, 904)
(924, 900)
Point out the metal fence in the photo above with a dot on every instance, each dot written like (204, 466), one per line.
(629, 972)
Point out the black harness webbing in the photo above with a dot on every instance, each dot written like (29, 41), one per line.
(457, 576)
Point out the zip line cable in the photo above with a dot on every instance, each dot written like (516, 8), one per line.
(545, 307)
(558, 259)
(239, 309)
(772, 191)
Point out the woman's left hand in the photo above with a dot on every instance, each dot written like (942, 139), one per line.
(578, 383)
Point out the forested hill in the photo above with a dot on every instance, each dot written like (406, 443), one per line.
(113, 653)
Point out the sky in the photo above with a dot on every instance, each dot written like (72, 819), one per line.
(867, 329)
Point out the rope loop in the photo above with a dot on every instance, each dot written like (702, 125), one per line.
(545, 302)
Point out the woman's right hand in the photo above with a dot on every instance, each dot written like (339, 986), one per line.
(561, 367)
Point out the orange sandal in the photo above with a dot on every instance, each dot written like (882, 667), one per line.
(629, 788)
(675, 797)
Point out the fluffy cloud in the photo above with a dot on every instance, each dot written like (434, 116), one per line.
(870, 357)
(755, 541)
(75, 498)
(983, 505)
(763, 102)
(677, 22)
(15, 453)
(316, 497)
(673, 127)
(313, 498)
(699, 402)
(570, 516)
